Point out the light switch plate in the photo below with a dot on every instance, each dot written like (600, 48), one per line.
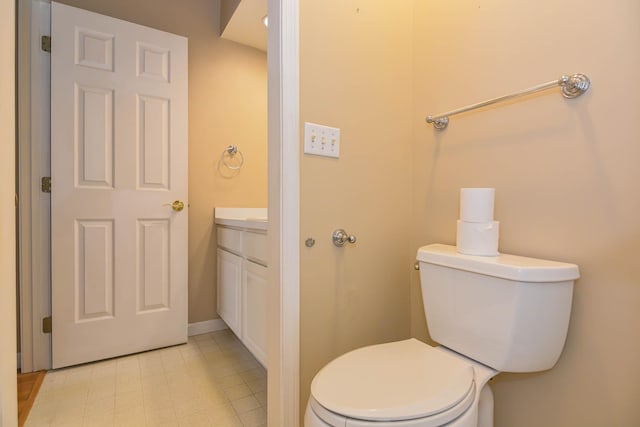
(321, 140)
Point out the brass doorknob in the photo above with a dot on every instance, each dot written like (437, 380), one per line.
(176, 205)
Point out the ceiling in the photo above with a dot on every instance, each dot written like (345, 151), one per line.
(241, 22)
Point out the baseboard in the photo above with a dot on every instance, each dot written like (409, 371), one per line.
(207, 326)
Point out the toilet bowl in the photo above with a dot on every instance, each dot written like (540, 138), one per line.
(489, 314)
(403, 383)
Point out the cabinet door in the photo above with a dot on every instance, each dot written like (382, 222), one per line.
(229, 282)
(254, 310)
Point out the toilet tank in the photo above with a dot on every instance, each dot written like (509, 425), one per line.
(508, 312)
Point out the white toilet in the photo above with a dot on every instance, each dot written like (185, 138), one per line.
(489, 314)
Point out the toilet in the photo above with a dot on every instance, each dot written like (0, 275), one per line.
(503, 313)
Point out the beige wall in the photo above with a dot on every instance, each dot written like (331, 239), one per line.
(227, 105)
(355, 68)
(8, 367)
(565, 172)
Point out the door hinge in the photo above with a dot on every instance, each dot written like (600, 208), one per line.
(46, 184)
(46, 325)
(45, 43)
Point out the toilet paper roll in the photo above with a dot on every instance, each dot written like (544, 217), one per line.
(476, 204)
(478, 238)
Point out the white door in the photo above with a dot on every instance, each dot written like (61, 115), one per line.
(118, 159)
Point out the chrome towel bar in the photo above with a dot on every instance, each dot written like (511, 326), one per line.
(571, 87)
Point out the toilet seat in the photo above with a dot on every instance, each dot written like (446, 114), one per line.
(387, 383)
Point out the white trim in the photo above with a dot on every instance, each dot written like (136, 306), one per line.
(34, 153)
(284, 215)
(205, 327)
(24, 193)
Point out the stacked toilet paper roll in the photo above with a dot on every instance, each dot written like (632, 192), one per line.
(477, 231)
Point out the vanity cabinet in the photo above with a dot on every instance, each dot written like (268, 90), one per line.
(254, 309)
(229, 288)
(242, 285)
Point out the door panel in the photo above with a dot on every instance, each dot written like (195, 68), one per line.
(119, 158)
(153, 282)
(94, 285)
(94, 119)
(153, 142)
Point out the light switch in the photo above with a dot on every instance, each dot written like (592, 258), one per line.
(321, 140)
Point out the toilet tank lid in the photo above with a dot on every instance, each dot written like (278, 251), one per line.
(504, 266)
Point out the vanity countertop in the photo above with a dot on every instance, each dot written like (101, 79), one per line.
(255, 218)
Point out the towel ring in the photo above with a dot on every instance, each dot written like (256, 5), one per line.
(232, 158)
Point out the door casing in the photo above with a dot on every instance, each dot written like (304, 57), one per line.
(34, 163)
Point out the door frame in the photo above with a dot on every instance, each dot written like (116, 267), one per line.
(283, 202)
(283, 312)
(35, 208)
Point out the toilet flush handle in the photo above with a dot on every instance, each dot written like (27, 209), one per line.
(340, 237)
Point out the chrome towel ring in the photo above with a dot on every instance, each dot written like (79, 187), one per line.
(232, 158)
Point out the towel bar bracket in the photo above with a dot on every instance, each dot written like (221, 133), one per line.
(574, 85)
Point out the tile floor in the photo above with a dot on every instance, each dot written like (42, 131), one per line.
(212, 380)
